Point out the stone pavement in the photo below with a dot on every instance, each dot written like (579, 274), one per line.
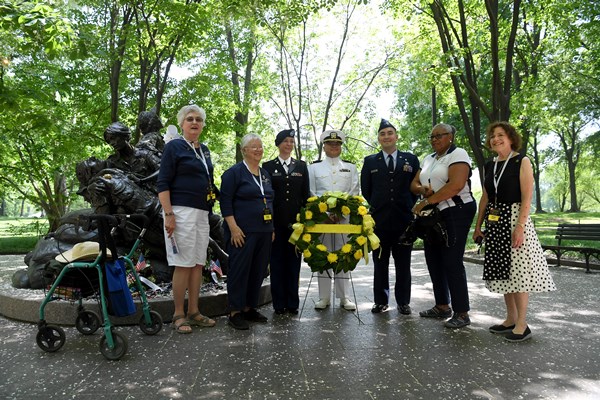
(331, 354)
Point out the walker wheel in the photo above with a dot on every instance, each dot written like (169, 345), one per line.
(87, 322)
(155, 325)
(50, 338)
(119, 349)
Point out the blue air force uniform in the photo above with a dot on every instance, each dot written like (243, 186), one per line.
(391, 201)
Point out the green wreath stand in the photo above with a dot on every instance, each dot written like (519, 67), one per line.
(311, 223)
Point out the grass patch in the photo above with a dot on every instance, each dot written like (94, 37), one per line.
(17, 245)
(20, 235)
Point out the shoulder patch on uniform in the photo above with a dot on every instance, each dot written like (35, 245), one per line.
(315, 162)
(349, 162)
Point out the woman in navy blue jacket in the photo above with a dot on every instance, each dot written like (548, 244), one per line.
(186, 192)
(247, 206)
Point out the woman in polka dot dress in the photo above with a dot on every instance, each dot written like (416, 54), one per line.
(514, 262)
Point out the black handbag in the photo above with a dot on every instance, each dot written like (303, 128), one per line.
(429, 226)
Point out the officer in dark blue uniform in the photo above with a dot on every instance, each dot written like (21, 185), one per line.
(289, 178)
(385, 183)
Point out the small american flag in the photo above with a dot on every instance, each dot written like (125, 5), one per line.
(214, 267)
(141, 264)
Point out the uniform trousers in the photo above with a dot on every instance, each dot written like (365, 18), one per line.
(334, 241)
(445, 264)
(247, 269)
(285, 271)
(381, 259)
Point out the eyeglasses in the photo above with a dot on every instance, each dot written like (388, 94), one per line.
(255, 148)
(333, 143)
(438, 136)
(192, 119)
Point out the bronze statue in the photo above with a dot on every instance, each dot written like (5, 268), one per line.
(124, 183)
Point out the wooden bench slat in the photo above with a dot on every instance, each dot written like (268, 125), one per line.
(579, 232)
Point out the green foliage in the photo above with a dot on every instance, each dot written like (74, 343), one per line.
(259, 66)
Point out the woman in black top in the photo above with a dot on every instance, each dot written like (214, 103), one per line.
(514, 262)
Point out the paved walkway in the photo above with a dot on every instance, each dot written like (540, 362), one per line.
(330, 355)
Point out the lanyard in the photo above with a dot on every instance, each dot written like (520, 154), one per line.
(257, 181)
(199, 156)
(497, 179)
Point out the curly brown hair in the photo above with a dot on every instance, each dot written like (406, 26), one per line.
(511, 132)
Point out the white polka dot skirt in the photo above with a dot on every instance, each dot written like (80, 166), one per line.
(528, 269)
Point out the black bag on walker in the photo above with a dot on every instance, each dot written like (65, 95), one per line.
(121, 301)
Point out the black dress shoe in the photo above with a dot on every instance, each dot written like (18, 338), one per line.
(254, 316)
(515, 337)
(378, 308)
(404, 309)
(293, 311)
(280, 311)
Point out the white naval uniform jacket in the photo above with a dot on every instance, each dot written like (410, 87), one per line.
(333, 174)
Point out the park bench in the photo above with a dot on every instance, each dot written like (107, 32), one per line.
(578, 232)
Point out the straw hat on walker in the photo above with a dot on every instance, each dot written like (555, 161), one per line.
(84, 251)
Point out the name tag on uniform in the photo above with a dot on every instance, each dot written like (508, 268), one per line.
(296, 174)
(344, 170)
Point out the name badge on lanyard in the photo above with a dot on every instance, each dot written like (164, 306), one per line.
(267, 215)
(494, 214)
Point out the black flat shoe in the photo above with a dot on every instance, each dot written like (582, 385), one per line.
(293, 311)
(514, 337)
(501, 329)
(280, 311)
(378, 308)
(404, 309)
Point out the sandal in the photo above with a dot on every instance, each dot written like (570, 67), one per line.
(181, 328)
(203, 321)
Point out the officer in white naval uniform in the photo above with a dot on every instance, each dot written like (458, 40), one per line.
(333, 174)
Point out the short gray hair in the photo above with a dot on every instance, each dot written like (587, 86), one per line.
(185, 110)
(447, 127)
(247, 139)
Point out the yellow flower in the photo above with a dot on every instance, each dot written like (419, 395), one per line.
(332, 257)
(321, 247)
(322, 207)
(361, 240)
(357, 254)
(362, 210)
(345, 210)
(311, 199)
(347, 248)
(368, 223)
(307, 253)
(359, 198)
(298, 217)
(308, 214)
(306, 237)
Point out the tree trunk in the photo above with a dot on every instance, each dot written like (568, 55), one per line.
(535, 162)
(241, 94)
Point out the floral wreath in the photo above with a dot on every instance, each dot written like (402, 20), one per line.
(312, 222)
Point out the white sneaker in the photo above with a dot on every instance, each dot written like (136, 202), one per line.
(322, 304)
(347, 304)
